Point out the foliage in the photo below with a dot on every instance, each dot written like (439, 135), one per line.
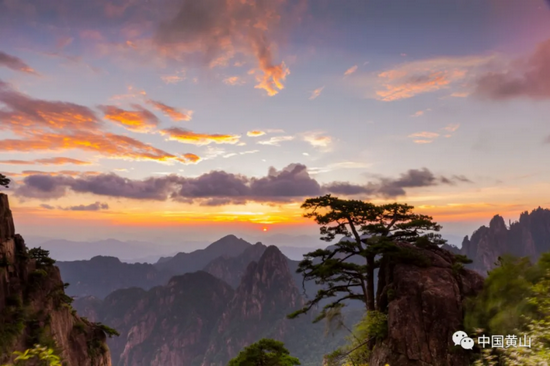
(46, 355)
(381, 227)
(12, 318)
(4, 181)
(501, 306)
(373, 326)
(42, 257)
(531, 318)
(265, 352)
(110, 332)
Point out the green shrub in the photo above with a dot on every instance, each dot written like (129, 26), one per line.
(110, 332)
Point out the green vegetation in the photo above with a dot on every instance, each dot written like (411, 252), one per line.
(4, 181)
(110, 332)
(373, 326)
(383, 226)
(515, 300)
(46, 357)
(12, 318)
(266, 352)
(42, 257)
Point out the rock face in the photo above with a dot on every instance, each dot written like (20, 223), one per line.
(231, 269)
(424, 304)
(34, 307)
(181, 263)
(528, 237)
(199, 320)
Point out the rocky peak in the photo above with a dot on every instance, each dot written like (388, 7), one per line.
(528, 237)
(34, 307)
(423, 293)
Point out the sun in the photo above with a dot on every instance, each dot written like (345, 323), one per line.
(264, 229)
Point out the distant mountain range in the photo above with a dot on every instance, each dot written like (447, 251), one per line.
(197, 319)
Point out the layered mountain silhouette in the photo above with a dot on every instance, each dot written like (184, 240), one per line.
(528, 237)
(199, 320)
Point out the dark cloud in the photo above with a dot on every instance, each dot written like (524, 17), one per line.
(348, 189)
(526, 78)
(216, 188)
(47, 207)
(292, 181)
(91, 207)
(15, 63)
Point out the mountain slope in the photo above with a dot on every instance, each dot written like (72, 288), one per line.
(101, 275)
(34, 307)
(528, 237)
(229, 245)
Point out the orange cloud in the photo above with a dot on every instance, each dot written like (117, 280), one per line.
(173, 113)
(429, 135)
(316, 93)
(27, 116)
(192, 158)
(48, 161)
(452, 127)
(234, 28)
(189, 137)
(351, 70)
(138, 120)
(234, 80)
(107, 144)
(317, 140)
(411, 79)
(255, 133)
(71, 173)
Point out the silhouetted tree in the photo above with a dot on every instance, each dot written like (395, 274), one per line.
(4, 181)
(371, 230)
(265, 352)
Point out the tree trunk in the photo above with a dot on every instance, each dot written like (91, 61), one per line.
(370, 283)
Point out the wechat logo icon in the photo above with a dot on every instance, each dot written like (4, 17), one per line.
(460, 338)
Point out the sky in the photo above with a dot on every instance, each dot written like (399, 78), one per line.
(141, 119)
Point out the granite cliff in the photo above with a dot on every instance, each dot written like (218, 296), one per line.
(34, 307)
(528, 237)
(199, 320)
(423, 295)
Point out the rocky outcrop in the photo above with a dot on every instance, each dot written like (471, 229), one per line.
(423, 292)
(231, 269)
(34, 307)
(197, 319)
(528, 237)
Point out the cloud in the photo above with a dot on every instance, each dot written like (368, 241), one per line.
(174, 113)
(172, 79)
(529, 78)
(97, 206)
(318, 140)
(452, 127)
(189, 137)
(219, 30)
(27, 116)
(418, 114)
(411, 79)
(316, 93)
(290, 184)
(351, 70)
(192, 158)
(47, 207)
(15, 64)
(255, 133)
(107, 144)
(137, 120)
(429, 135)
(47, 161)
(392, 188)
(276, 140)
(234, 80)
